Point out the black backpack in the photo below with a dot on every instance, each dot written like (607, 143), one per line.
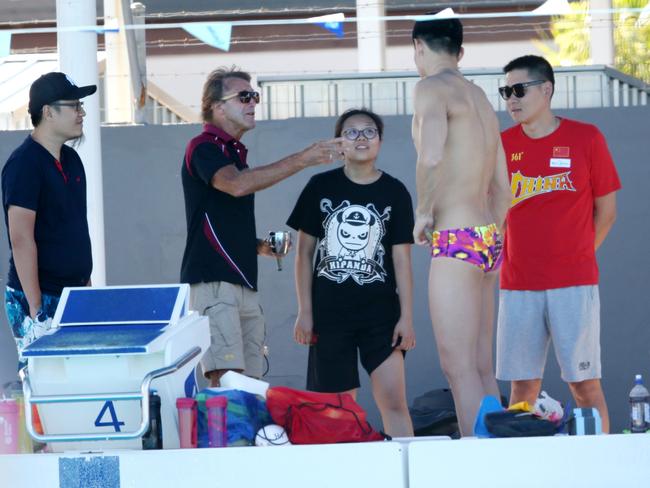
(434, 414)
(518, 423)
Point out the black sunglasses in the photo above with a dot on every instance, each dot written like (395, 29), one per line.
(244, 96)
(519, 89)
(353, 134)
(77, 106)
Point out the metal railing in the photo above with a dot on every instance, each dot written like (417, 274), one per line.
(387, 93)
(163, 109)
(157, 112)
(392, 93)
(160, 108)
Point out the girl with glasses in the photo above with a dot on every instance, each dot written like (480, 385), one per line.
(357, 222)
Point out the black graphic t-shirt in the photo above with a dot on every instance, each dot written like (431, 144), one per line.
(356, 227)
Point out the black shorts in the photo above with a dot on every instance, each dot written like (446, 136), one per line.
(333, 360)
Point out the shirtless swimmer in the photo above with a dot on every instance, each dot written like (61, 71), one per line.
(463, 196)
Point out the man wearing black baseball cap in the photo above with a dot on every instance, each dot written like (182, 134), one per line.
(44, 202)
(54, 87)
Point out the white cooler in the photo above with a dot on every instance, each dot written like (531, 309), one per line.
(110, 347)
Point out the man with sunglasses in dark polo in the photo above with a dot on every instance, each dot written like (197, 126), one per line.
(220, 258)
(564, 184)
(44, 201)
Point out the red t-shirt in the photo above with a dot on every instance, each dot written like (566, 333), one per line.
(549, 241)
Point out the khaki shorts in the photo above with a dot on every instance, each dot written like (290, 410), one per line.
(237, 329)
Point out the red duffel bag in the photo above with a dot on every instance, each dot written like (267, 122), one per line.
(319, 418)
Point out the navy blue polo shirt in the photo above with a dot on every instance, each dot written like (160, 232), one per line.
(221, 240)
(56, 190)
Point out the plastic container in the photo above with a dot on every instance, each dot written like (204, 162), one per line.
(153, 437)
(237, 381)
(25, 444)
(15, 390)
(187, 418)
(639, 406)
(9, 431)
(585, 421)
(217, 431)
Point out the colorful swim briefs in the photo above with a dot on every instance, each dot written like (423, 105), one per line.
(480, 246)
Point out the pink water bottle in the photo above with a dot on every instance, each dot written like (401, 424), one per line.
(8, 426)
(217, 433)
(186, 422)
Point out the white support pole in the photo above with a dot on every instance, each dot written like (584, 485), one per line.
(371, 35)
(118, 98)
(78, 59)
(136, 43)
(602, 33)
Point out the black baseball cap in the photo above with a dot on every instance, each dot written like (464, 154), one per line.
(55, 86)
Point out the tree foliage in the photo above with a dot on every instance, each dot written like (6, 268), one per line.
(570, 37)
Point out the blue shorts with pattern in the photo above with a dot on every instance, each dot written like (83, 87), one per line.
(25, 329)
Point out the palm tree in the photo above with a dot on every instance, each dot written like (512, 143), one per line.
(570, 35)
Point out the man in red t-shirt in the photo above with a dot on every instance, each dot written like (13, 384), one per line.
(564, 185)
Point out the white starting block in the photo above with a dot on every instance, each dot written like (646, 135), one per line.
(92, 376)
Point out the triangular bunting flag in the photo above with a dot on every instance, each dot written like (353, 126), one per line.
(215, 34)
(5, 44)
(331, 22)
(444, 14)
(103, 30)
(553, 7)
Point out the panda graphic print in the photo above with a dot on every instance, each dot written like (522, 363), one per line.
(355, 228)
(351, 247)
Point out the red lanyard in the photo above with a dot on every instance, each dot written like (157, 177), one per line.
(59, 166)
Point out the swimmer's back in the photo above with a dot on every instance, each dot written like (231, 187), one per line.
(470, 151)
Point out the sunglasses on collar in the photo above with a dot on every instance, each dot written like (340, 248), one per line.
(518, 89)
(244, 96)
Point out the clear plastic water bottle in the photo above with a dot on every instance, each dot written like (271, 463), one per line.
(187, 414)
(217, 427)
(8, 426)
(639, 406)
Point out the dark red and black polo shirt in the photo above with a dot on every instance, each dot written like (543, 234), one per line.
(221, 240)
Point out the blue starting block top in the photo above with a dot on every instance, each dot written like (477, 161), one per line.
(111, 320)
(95, 339)
(119, 305)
